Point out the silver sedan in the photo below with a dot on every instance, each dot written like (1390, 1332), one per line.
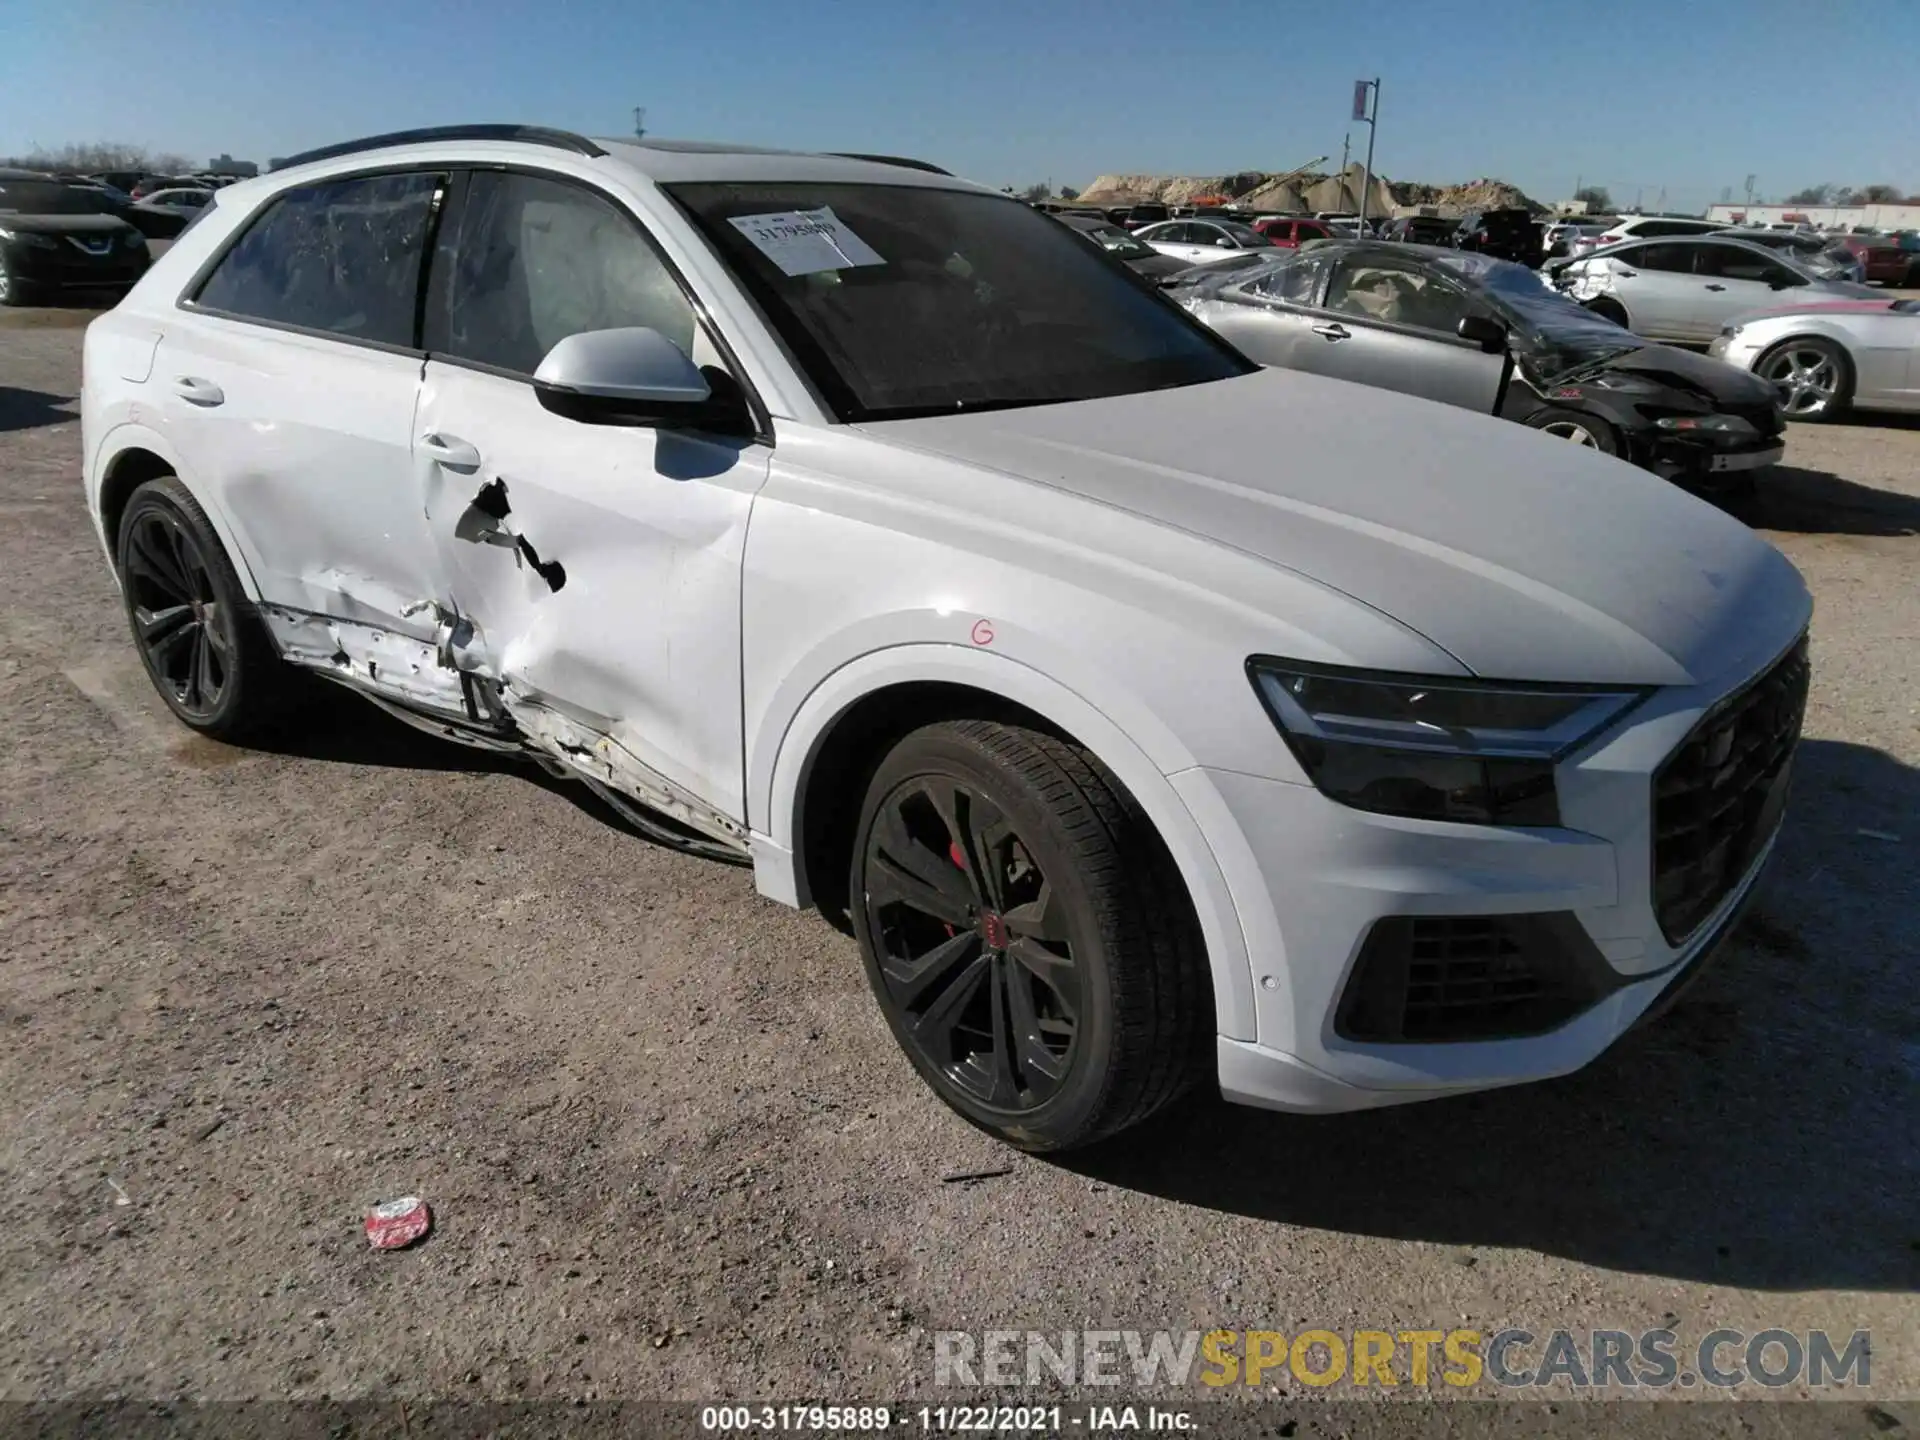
(1684, 288)
(1830, 356)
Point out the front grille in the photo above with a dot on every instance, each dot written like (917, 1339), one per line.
(1718, 798)
(1437, 978)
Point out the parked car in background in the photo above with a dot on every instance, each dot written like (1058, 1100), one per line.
(185, 201)
(1421, 230)
(1503, 234)
(165, 182)
(1882, 261)
(1821, 254)
(1828, 357)
(122, 180)
(1150, 718)
(1485, 334)
(1561, 236)
(57, 238)
(1125, 246)
(1684, 289)
(1640, 227)
(1288, 231)
(1202, 242)
(1145, 214)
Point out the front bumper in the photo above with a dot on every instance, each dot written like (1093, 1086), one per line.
(1312, 879)
(66, 267)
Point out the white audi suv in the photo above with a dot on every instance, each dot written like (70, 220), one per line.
(1149, 717)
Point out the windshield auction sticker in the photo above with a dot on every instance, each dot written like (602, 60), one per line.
(805, 242)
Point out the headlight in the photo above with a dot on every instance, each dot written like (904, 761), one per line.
(1481, 753)
(1712, 424)
(28, 237)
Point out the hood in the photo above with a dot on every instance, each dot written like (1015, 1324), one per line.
(1521, 555)
(63, 224)
(1727, 384)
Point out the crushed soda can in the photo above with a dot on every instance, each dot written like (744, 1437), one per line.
(398, 1223)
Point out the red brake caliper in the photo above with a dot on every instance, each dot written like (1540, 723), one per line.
(955, 854)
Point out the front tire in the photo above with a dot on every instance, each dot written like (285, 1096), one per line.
(203, 644)
(1579, 429)
(13, 290)
(1027, 935)
(1812, 374)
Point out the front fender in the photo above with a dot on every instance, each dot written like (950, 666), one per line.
(783, 752)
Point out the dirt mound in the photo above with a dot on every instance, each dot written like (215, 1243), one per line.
(1278, 190)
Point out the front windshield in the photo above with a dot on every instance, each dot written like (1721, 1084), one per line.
(908, 300)
(1552, 336)
(49, 197)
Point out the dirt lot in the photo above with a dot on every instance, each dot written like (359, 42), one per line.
(670, 1146)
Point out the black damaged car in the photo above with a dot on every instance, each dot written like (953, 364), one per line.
(1487, 334)
(57, 238)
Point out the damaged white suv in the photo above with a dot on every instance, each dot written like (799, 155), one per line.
(1146, 713)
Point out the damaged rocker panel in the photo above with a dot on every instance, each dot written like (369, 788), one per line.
(418, 681)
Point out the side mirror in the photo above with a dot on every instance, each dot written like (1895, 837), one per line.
(1224, 242)
(630, 376)
(1489, 335)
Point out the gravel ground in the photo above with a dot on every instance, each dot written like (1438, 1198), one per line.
(672, 1151)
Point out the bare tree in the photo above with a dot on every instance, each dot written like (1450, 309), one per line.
(1597, 198)
(1879, 195)
(1036, 192)
(101, 155)
(1812, 195)
(1067, 192)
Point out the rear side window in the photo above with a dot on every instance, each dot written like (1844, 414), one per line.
(342, 257)
(532, 260)
(1670, 259)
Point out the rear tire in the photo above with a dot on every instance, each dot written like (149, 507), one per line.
(1576, 428)
(204, 645)
(1027, 935)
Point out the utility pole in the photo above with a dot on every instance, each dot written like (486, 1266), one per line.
(639, 122)
(1750, 180)
(1345, 141)
(1361, 112)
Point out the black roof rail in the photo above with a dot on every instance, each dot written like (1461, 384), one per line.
(926, 165)
(527, 134)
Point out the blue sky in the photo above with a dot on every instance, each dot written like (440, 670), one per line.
(1639, 95)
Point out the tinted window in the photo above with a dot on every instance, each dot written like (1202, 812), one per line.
(1367, 289)
(529, 261)
(342, 256)
(49, 197)
(1167, 234)
(1668, 259)
(1312, 232)
(1731, 262)
(944, 301)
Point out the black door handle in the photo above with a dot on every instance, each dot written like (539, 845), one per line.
(1716, 287)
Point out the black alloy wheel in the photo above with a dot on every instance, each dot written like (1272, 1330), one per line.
(199, 637)
(1027, 934)
(186, 635)
(974, 945)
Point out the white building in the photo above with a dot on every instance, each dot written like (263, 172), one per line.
(1826, 217)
